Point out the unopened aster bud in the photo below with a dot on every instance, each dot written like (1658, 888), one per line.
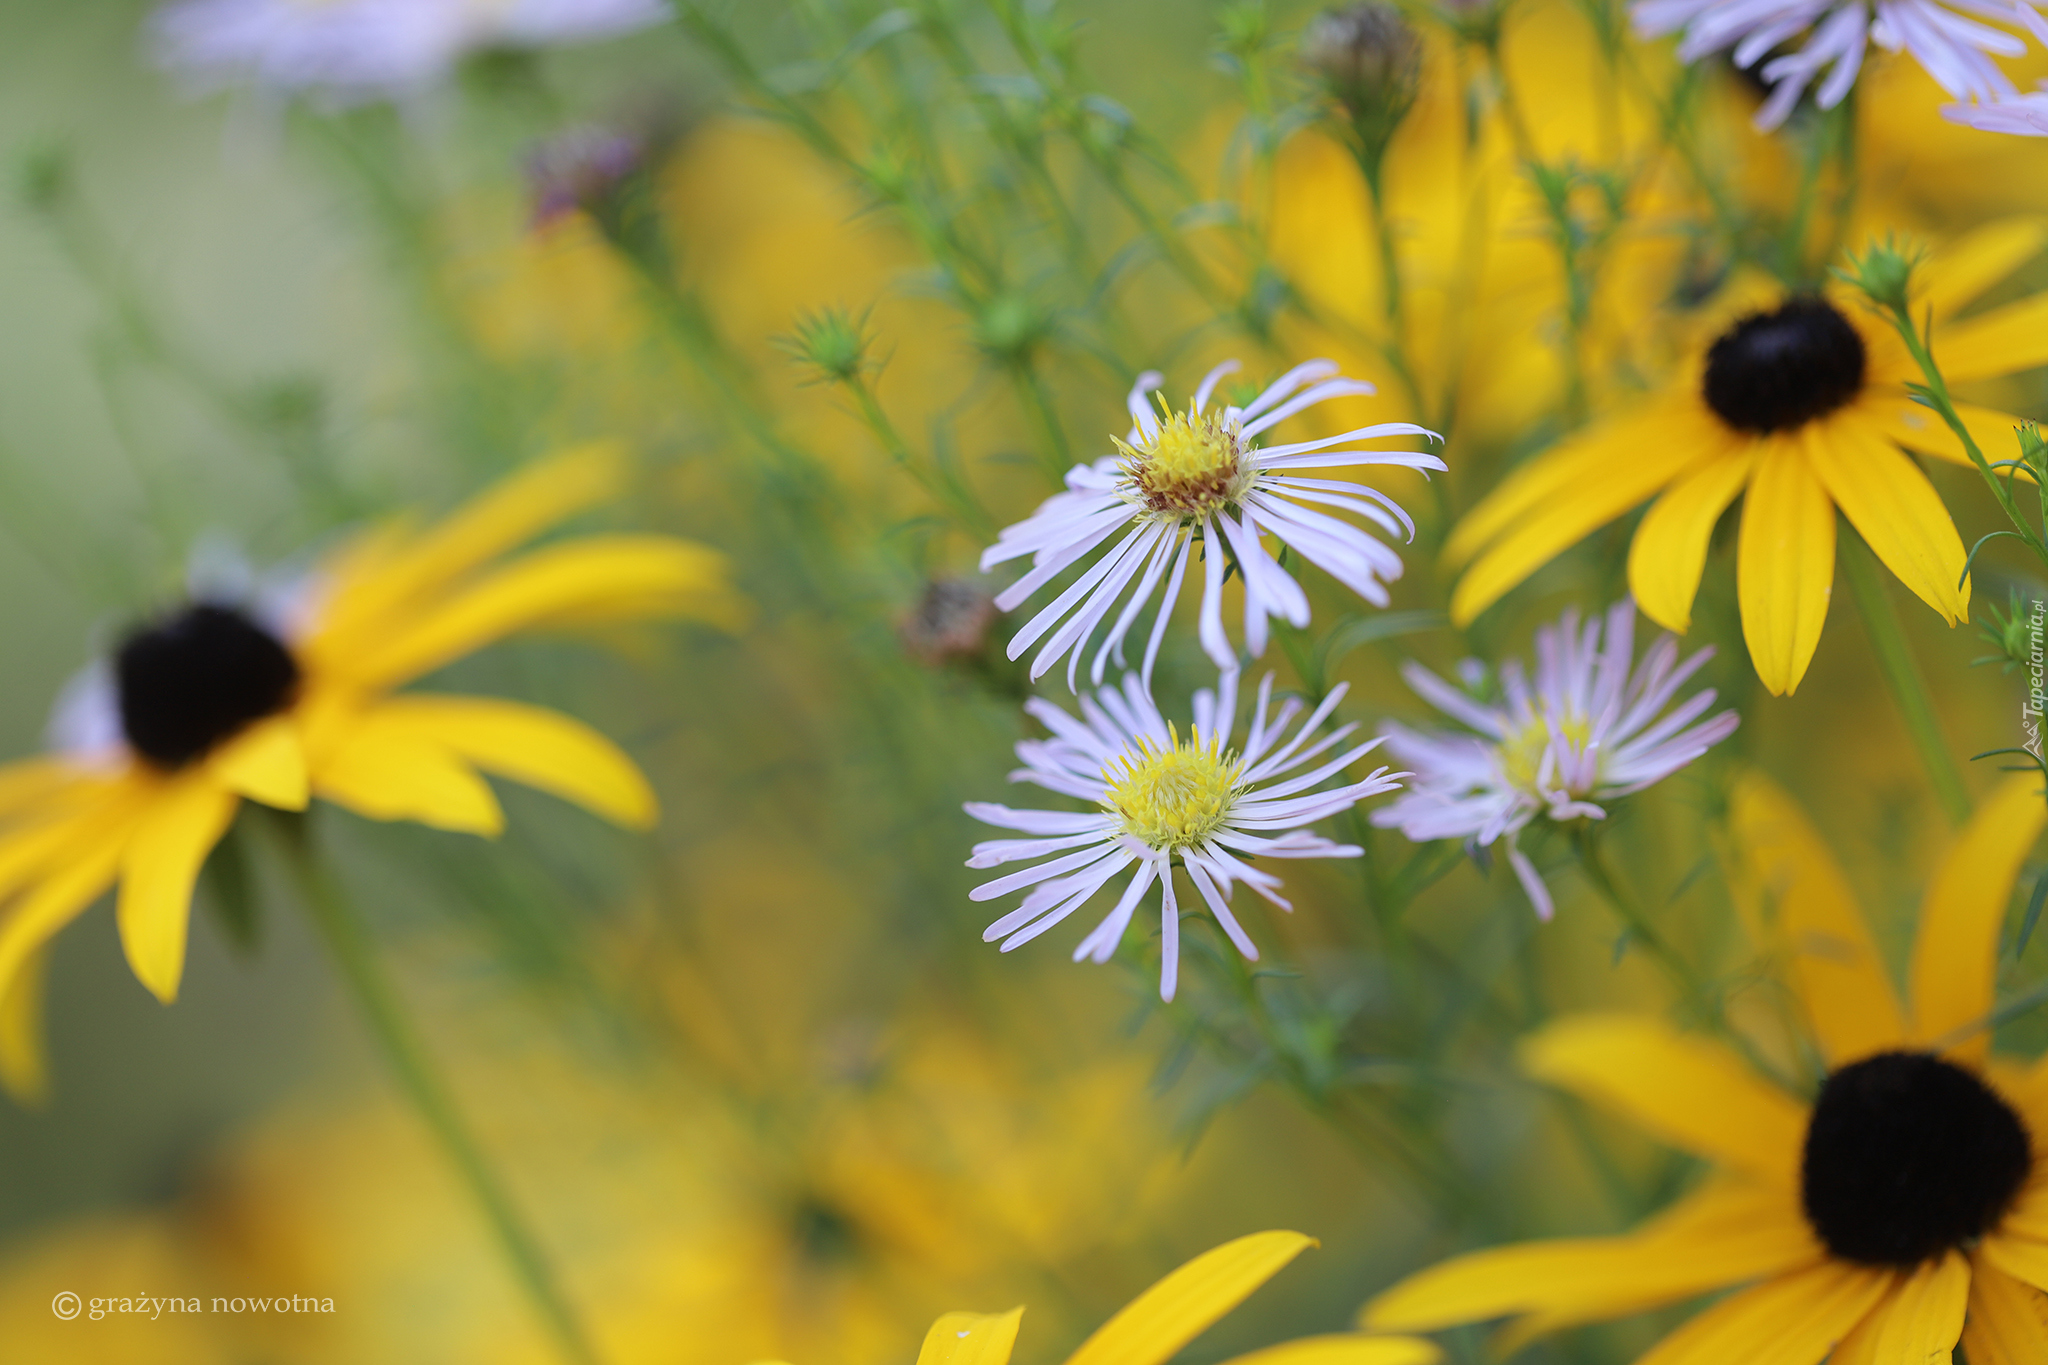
(951, 621)
(1884, 272)
(832, 342)
(1370, 62)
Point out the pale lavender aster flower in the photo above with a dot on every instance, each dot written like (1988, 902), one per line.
(1593, 728)
(2022, 116)
(1201, 474)
(1954, 49)
(353, 51)
(1161, 799)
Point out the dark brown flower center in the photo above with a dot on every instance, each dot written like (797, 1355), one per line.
(195, 678)
(1777, 370)
(1908, 1156)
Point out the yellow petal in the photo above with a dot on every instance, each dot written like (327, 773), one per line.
(391, 772)
(1784, 871)
(1559, 471)
(73, 882)
(171, 840)
(1688, 1090)
(971, 1339)
(1583, 485)
(533, 745)
(1344, 1348)
(1785, 565)
(1166, 1317)
(1955, 957)
(543, 587)
(24, 1070)
(1958, 271)
(2008, 1320)
(391, 578)
(1924, 1316)
(1922, 428)
(1886, 498)
(2003, 341)
(2023, 1258)
(1670, 546)
(265, 763)
(28, 783)
(1793, 1320)
(1724, 1234)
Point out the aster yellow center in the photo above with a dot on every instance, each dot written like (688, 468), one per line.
(1192, 467)
(1522, 752)
(1175, 796)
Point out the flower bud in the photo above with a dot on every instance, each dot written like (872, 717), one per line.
(951, 621)
(1369, 61)
(832, 342)
(1884, 272)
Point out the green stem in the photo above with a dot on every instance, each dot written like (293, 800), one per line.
(1902, 675)
(349, 940)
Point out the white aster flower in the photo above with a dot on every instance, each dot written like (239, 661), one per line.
(1201, 471)
(1956, 51)
(1162, 798)
(1592, 729)
(353, 51)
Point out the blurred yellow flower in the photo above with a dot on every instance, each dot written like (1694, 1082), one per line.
(1173, 1312)
(282, 701)
(1900, 1209)
(1803, 406)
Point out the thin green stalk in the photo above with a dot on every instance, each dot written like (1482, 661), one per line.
(348, 939)
(1056, 454)
(1902, 674)
(948, 491)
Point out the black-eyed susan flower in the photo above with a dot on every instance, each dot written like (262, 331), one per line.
(1162, 799)
(1900, 1206)
(1201, 474)
(1799, 408)
(215, 702)
(1592, 727)
(1153, 1327)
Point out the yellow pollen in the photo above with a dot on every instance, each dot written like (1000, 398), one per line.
(1173, 797)
(1190, 469)
(1521, 753)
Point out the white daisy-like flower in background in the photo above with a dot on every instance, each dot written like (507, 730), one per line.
(352, 51)
(1162, 799)
(1592, 729)
(1954, 49)
(1201, 471)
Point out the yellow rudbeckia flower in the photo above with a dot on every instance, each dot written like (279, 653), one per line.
(1155, 1325)
(1801, 409)
(1903, 1207)
(218, 702)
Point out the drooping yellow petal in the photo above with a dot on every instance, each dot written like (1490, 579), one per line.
(1784, 565)
(392, 772)
(971, 1339)
(1563, 469)
(2003, 341)
(1724, 1234)
(1922, 428)
(1955, 956)
(397, 574)
(530, 744)
(24, 1070)
(1583, 485)
(1924, 1315)
(1956, 272)
(1173, 1312)
(539, 589)
(1690, 1091)
(92, 858)
(1670, 547)
(1890, 502)
(1796, 898)
(1795, 1319)
(266, 763)
(1344, 1348)
(176, 832)
(2007, 1322)
(2023, 1258)
(29, 782)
